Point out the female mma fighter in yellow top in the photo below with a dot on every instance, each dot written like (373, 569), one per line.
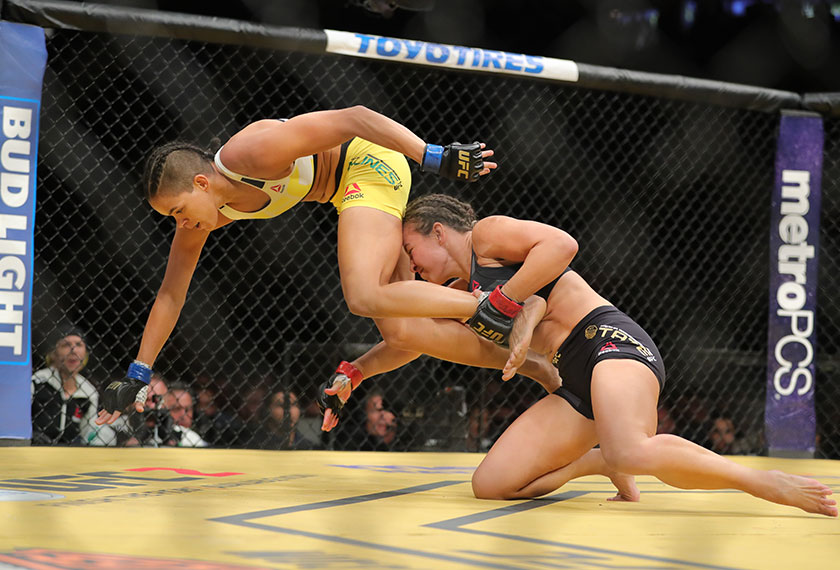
(353, 158)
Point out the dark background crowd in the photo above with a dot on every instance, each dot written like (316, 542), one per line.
(203, 411)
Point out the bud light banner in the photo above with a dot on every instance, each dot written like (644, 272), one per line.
(794, 246)
(23, 57)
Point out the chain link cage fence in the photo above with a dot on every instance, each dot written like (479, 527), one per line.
(669, 202)
(827, 389)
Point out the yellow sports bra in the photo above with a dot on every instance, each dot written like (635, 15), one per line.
(282, 193)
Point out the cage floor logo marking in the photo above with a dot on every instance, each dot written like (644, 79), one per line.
(9, 495)
(186, 471)
(48, 559)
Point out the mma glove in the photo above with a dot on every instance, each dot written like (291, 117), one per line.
(345, 379)
(493, 319)
(454, 161)
(119, 394)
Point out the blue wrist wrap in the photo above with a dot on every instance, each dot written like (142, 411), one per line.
(432, 158)
(139, 371)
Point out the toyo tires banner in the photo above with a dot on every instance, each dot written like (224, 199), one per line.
(23, 57)
(452, 57)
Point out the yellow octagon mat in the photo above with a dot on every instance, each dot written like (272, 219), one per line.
(213, 509)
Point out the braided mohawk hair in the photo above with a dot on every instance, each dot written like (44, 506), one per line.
(172, 166)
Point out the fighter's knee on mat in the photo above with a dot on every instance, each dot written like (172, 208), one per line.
(486, 486)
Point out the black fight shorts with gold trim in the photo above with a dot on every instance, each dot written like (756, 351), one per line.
(604, 333)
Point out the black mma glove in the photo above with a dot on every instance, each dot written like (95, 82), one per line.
(119, 394)
(345, 379)
(493, 319)
(455, 161)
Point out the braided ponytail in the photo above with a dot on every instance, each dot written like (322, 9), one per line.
(423, 212)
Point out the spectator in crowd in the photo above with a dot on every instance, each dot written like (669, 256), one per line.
(178, 402)
(204, 380)
(692, 413)
(215, 426)
(279, 428)
(721, 436)
(64, 403)
(478, 428)
(725, 439)
(253, 401)
(380, 425)
(251, 410)
(492, 412)
(310, 421)
(487, 422)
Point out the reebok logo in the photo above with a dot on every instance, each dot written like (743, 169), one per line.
(352, 192)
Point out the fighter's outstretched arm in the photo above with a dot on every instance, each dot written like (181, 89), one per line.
(183, 258)
(265, 148)
(444, 339)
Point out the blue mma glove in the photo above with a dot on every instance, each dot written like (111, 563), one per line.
(134, 388)
(454, 161)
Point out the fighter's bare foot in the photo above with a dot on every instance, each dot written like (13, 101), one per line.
(521, 334)
(626, 486)
(808, 494)
(518, 354)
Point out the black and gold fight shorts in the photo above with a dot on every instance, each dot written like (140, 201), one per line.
(605, 333)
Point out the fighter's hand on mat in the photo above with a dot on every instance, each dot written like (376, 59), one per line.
(456, 161)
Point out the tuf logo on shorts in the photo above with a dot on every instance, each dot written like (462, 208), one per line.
(464, 164)
(352, 192)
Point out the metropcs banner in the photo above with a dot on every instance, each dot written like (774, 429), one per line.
(23, 57)
(794, 245)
